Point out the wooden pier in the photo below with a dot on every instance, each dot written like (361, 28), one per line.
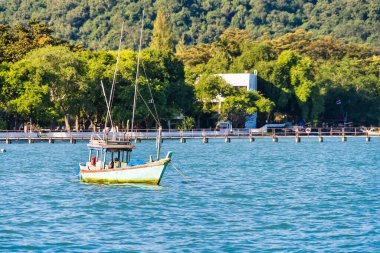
(204, 135)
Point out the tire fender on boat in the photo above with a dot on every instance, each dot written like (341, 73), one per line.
(308, 130)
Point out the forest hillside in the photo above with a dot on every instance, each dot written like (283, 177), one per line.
(96, 23)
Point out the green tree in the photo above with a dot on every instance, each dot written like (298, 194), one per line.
(46, 84)
(180, 48)
(99, 67)
(309, 95)
(16, 41)
(356, 84)
(96, 23)
(187, 123)
(245, 103)
(252, 54)
(209, 90)
(162, 34)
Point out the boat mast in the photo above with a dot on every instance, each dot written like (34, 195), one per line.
(137, 73)
(135, 94)
(110, 100)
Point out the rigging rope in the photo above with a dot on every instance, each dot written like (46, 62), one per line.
(157, 120)
(155, 116)
(150, 91)
(108, 105)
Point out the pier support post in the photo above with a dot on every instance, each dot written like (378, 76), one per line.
(137, 140)
(320, 139)
(251, 139)
(227, 140)
(182, 140)
(298, 139)
(51, 140)
(274, 138)
(205, 140)
(344, 138)
(30, 141)
(8, 141)
(73, 141)
(367, 139)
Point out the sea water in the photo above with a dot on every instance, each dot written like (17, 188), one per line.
(232, 197)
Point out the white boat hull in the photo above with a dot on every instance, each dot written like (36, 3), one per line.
(149, 173)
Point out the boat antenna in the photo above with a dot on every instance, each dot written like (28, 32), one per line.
(112, 93)
(137, 72)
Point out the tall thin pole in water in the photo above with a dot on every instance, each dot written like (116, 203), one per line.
(159, 142)
(137, 73)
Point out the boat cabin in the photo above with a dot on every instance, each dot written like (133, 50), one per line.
(109, 155)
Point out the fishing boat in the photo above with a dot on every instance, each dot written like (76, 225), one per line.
(110, 163)
(109, 159)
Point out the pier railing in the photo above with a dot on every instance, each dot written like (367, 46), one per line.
(196, 133)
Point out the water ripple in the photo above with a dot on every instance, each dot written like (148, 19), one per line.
(242, 197)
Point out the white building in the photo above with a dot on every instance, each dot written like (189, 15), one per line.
(249, 81)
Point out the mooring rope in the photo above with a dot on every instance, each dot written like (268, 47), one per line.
(186, 178)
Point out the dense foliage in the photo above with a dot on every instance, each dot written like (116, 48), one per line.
(301, 78)
(47, 82)
(53, 84)
(97, 23)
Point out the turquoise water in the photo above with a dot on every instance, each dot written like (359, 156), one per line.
(243, 197)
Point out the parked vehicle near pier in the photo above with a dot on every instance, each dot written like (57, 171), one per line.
(224, 127)
(372, 131)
